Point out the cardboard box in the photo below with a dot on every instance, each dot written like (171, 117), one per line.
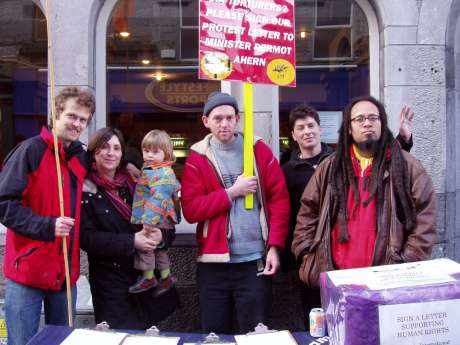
(406, 304)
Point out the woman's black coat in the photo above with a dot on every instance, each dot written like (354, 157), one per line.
(109, 241)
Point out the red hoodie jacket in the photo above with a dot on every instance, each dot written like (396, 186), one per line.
(29, 206)
(361, 225)
(204, 200)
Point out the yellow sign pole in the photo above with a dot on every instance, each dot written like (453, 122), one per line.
(58, 164)
(248, 141)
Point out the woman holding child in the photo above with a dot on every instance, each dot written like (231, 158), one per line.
(111, 241)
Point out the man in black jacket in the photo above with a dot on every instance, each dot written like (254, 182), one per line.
(304, 126)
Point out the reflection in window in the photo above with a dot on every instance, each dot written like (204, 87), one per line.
(23, 75)
(189, 13)
(332, 52)
(152, 73)
(332, 43)
(333, 12)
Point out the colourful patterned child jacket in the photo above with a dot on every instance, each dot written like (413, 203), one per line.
(156, 199)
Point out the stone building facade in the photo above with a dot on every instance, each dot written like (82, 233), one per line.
(414, 58)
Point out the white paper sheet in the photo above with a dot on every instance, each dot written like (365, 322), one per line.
(90, 337)
(146, 340)
(272, 338)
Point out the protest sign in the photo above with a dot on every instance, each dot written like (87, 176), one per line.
(248, 40)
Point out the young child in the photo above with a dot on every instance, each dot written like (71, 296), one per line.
(156, 204)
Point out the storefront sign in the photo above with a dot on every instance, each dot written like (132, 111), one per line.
(179, 96)
(248, 40)
(420, 323)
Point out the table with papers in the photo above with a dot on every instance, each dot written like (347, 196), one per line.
(55, 335)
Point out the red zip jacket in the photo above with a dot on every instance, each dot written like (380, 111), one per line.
(204, 200)
(29, 206)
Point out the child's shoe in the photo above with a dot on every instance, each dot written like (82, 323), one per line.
(143, 284)
(165, 285)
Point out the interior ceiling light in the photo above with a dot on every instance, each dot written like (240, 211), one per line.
(159, 76)
(125, 34)
(145, 61)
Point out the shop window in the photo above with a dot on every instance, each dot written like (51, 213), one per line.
(330, 13)
(189, 13)
(23, 72)
(332, 52)
(333, 43)
(189, 29)
(152, 73)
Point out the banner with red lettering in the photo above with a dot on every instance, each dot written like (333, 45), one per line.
(248, 40)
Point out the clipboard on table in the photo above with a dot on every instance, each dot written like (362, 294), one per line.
(264, 336)
(211, 338)
(150, 337)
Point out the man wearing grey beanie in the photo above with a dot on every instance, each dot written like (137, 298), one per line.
(238, 248)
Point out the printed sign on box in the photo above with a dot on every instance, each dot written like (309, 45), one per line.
(420, 323)
(248, 40)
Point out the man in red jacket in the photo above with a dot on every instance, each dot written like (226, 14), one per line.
(238, 248)
(29, 207)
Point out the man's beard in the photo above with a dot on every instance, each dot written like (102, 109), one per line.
(369, 146)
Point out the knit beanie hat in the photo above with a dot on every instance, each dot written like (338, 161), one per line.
(216, 99)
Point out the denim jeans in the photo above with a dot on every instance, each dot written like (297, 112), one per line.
(23, 305)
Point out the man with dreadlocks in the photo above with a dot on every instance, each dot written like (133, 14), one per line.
(308, 152)
(368, 204)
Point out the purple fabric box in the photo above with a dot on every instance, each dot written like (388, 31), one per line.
(391, 304)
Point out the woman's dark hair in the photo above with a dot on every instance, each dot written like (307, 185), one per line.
(388, 156)
(102, 136)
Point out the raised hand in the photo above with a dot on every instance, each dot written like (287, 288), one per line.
(406, 118)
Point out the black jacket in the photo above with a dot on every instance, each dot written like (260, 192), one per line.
(109, 241)
(297, 173)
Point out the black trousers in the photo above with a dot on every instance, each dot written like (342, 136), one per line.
(233, 299)
(311, 298)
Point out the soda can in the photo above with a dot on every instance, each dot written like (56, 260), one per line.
(317, 323)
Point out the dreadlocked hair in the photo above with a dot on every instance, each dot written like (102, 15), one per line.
(388, 156)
